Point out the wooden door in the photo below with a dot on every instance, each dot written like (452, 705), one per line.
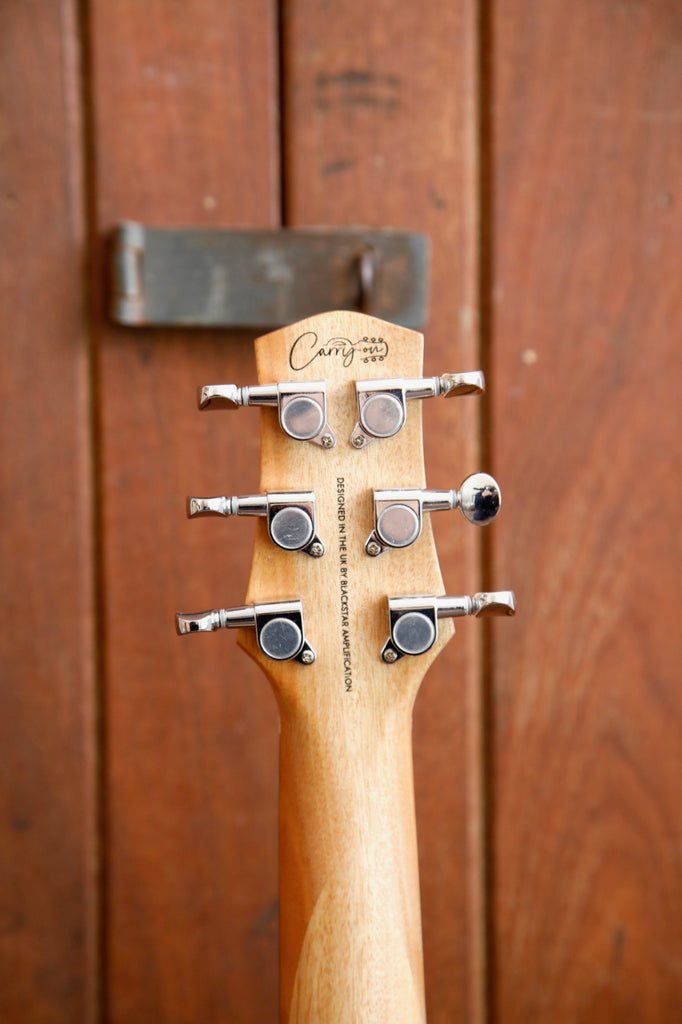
(539, 145)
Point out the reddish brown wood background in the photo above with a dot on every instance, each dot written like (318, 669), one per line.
(585, 203)
(540, 146)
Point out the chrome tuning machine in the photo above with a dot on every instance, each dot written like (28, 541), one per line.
(398, 513)
(290, 516)
(302, 408)
(382, 403)
(279, 627)
(414, 620)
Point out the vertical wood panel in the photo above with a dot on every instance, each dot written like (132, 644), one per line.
(185, 118)
(47, 841)
(587, 316)
(380, 129)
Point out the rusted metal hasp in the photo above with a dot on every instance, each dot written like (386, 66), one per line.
(190, 277)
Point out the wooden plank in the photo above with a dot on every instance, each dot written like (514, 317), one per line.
(47, 832)
(586, 426)
(380, 129)
(184, 108)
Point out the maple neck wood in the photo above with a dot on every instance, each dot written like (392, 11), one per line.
(351, 947)
(350, 924)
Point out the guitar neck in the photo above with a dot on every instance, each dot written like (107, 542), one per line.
(350, 931)
(350, 923)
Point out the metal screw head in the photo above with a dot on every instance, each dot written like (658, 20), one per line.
(373, 549)
(390, 655)
(316, 550)
(358, 441)
(307, 657)
(327, 441)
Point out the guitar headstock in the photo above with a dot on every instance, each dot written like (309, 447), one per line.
(342, 483)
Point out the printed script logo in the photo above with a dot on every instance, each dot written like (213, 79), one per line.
(307, 348)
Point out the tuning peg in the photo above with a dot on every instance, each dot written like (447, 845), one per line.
(398, 512)
(302, 407)
(381, 403)
(414, 620)
(279, 627)
(290, 516)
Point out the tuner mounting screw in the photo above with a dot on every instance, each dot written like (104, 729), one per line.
(327, 441)
(373, 549)
(390, 655)
(358, 441)
(316, 550)
(307, 657)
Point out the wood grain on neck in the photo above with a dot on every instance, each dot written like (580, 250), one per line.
(350, 921)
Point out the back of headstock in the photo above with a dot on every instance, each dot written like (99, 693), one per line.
(337, 469)
(344, 593)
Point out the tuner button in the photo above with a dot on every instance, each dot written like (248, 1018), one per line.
(453, 384)
(199, 622)
(496, 603)
(414, 633)
(382, 415)
(302, 417)
(218, 506)
(226, 396)
(480, 499)
(291, 528)
(398, 525)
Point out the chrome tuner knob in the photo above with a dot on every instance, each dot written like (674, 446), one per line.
(398, 513)
(414, 620)
(382, 403)
(302, 408)
(279, 627)
(290, 516)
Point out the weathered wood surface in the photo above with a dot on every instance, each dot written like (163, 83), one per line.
(586, 367)
(47, 838)
(380, 128)
(381, 123)
(184, 118)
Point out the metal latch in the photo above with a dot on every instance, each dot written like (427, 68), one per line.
(189, 277)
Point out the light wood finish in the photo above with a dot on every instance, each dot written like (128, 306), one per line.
(48, 900)
(349, 890)
(586, 435)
